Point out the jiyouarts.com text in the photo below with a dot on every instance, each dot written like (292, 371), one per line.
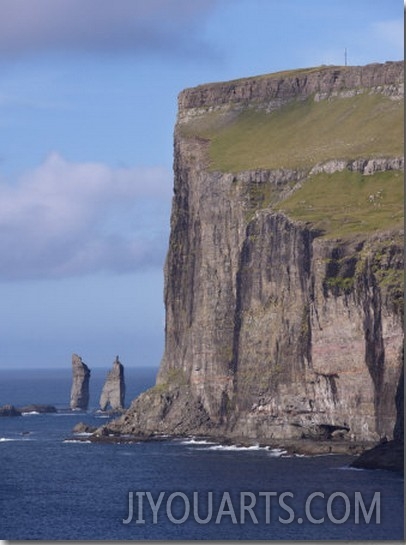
(264, 507)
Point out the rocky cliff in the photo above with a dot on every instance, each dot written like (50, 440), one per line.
(283, 279)
(113, 393)
(79, 397)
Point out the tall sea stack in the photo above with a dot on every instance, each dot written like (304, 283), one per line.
(284, 273)
(79, 397)
(113, 392)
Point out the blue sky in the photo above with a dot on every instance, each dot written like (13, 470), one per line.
(88, 98)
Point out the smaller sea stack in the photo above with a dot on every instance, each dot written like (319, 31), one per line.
(113, 392)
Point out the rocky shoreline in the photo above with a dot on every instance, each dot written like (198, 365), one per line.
(388, 455)
(11, 410)
(300, 447)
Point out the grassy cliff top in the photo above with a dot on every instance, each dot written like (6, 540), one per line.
(302, 133)
(295, 120)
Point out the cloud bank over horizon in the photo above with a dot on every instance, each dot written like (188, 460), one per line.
(64, 219)
(167, 27)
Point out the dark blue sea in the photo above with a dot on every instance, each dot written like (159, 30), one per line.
(55, 486)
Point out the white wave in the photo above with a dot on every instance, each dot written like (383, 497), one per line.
(277, 452)
(286, 454)
(227, 447)
(30, 413)
(8, 439)
(75, 441)
(349, 468)
(82, 433)
(102, 416)
(196, 442)
(237, 447)
(274, 452)
(63, 414)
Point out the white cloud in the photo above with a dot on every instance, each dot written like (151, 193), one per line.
(100, 25)
(64, 219)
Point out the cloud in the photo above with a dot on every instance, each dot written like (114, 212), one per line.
(65, 219)
(164, 26)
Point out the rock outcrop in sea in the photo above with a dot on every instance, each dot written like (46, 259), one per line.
(9, 410)
(79, 397)
(284, 312)
(38, 408)
(113, 393)
(83, 428)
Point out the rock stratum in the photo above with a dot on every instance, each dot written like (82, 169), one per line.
(113, 393)
(284, 274)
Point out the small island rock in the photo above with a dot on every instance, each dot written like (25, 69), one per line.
(35, 408)
(9, 410)
(81, 427)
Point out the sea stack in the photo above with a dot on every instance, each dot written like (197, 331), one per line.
(113, 392)
(79, 397)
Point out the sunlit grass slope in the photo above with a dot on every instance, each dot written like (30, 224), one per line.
(347, 203)
(303, 133)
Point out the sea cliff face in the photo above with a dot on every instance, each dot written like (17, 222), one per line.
(283, 318)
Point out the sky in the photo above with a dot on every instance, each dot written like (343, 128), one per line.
(88, 101)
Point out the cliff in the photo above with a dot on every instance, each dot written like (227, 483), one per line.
(79, 397)
(113, 393)
(284, 274)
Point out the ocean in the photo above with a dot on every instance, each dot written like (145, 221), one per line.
(57, 486)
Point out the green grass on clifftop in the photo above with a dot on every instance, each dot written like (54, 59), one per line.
(303, 133)
(348, 203)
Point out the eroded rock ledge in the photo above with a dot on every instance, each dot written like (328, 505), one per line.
(274, 90)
